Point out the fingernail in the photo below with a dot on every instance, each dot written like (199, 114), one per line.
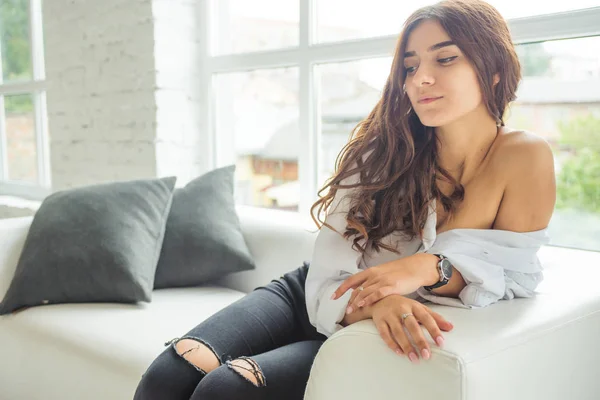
(348, 310)
(361, 303)
(425, 353)
(440, 341)
(332, 297)
(413, 357)
(399, 352)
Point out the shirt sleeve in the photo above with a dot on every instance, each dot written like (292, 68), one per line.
(495, 264)
(332, 262)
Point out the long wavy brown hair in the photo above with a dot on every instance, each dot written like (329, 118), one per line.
(394, 154)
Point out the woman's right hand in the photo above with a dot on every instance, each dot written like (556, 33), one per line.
(387, 316)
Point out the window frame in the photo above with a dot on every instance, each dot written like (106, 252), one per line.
(308, 53)
(36, 87)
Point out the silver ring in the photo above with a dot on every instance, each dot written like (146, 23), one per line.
(361, 288)
(404, 316)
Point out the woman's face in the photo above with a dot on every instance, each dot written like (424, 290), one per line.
(440, 81)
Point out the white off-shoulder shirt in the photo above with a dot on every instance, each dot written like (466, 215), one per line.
(495, 264)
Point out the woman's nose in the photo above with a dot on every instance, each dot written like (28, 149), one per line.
(423, 77)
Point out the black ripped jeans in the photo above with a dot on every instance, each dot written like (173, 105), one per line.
(268, 325)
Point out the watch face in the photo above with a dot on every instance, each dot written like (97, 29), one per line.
(446, 268)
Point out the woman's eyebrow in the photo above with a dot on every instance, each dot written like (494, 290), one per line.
(436, 46)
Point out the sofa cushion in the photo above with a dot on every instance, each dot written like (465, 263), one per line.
(100, 350)
(203, 239)
(98, 243)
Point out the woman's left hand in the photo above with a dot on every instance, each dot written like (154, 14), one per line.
(399, 277)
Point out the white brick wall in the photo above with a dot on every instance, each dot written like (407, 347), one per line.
(124, 91)
(101, 80)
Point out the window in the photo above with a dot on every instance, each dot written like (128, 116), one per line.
(257, 111)
(348, 93)
(338, 21)
(519, 9)
(559, 98)
(290, 79)
(242, 26)
(23, 153)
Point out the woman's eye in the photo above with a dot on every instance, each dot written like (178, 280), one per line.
(447, 59)
(411, 70)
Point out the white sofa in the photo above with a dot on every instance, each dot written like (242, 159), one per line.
(544, 348)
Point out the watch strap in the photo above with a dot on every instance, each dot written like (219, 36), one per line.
(443, 279)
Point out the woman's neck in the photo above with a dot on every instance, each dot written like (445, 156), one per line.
(464, 145)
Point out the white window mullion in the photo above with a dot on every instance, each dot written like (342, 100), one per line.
(42, 142)
(222, 124)
(36, 40)
(3, 143)
(309, 146)
(17, 88)
(206, 90)
(39, 96)
(220, 42)
(567, 25)
(318, 53)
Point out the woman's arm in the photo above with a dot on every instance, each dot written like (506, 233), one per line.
(332, 262)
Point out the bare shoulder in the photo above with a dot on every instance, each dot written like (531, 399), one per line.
(527, 164)
(520, 151)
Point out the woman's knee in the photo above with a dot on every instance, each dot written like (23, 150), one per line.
(176, 372)
(231, 382)
(200, 355)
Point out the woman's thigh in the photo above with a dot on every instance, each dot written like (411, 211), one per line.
(267, 318)
(282, 374)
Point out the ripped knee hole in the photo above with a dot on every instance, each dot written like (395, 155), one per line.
(249, 370)
(199, 354)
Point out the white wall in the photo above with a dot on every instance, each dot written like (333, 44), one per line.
(101, 82)
(123, 79)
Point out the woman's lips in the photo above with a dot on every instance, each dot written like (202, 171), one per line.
(428, 100)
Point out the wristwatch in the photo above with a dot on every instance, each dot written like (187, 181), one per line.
(445, 269)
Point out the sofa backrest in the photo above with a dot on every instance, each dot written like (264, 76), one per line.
(279, 241)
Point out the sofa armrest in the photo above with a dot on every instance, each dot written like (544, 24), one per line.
(279, 241)
(539, 348)
(13, 232)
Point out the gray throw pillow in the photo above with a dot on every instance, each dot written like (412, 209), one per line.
(203, 240)
(97, 243)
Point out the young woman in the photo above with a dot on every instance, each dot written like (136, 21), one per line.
(437, 136)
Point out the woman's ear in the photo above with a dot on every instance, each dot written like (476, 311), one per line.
(496, 79)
